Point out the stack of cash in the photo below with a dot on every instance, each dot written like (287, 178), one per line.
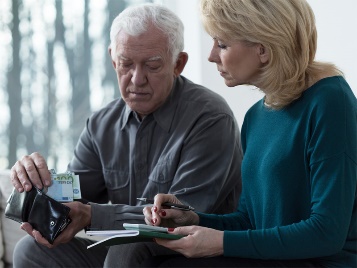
(65, 186)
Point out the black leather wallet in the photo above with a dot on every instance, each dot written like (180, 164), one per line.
(45, 214)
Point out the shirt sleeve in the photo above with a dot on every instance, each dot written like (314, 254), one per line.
(87, 165)
(209, 167)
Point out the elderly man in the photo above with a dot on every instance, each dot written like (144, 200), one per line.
(166, 134)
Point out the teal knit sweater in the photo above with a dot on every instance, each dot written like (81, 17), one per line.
(299, 175)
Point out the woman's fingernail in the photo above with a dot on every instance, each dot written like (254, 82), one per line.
(170, 229)
(155, 209)
(154, 221)
(163, 213)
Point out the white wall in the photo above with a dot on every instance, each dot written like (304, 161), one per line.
(337, 42)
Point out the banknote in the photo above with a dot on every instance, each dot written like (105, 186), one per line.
(61, 188)
(65, 187)
(76, 185)
(76, 188)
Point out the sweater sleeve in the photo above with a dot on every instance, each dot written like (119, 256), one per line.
(238, 220)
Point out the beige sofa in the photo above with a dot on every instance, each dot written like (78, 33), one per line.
(10, 231)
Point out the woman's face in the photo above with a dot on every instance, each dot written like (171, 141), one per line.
(237, 62)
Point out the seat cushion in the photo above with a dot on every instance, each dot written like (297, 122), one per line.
(10, 230)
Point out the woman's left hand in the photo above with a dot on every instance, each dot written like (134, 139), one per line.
(198, 242)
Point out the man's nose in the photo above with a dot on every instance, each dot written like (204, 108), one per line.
(139, 77)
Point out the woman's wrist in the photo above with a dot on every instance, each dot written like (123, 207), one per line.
(195, 219)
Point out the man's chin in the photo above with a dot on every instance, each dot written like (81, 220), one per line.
(140, 110)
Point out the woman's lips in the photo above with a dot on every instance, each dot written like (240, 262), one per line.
(222, 73)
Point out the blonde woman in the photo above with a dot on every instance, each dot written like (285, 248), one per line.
(299, 171)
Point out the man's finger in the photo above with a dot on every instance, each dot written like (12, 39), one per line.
(42, 168)
(15, 180)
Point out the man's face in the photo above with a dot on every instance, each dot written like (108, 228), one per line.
(145, 70)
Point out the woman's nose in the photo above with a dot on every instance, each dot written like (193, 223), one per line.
(214, 56)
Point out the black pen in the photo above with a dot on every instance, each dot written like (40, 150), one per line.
(167, 204)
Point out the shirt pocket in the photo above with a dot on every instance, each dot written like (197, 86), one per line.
(117, 183)
(161, 177)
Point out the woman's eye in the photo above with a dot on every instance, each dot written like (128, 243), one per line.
(222, 46)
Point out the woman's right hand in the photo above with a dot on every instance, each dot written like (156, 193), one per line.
(158, 215)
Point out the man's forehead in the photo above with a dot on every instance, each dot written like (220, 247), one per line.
(152, 58)
(151, 45)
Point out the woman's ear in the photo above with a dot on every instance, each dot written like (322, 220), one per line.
(180, 63)
(263, 53)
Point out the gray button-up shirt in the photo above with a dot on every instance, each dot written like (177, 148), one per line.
(189, 147)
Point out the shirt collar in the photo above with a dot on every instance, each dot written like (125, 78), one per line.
(126, 116)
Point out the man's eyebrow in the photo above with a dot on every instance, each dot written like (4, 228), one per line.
(122, 57)
(155, 58)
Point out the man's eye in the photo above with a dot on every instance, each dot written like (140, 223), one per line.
(153, 67)
(125, 64)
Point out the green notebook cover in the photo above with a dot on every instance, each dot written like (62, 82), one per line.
(130, 236)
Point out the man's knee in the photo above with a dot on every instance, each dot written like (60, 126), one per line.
(120, 254)
(29, 253)
(133, 255)
(24, 251)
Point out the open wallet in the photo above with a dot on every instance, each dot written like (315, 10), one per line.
(45, 214)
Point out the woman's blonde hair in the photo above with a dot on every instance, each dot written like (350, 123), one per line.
(287, 30)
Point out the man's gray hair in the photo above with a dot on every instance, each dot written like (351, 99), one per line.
(135, 20)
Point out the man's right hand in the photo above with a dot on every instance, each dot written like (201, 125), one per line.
(30, 169)
(80, 215)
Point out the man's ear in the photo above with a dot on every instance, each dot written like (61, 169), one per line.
(180, 63)
(110, 55)
(263, 53)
